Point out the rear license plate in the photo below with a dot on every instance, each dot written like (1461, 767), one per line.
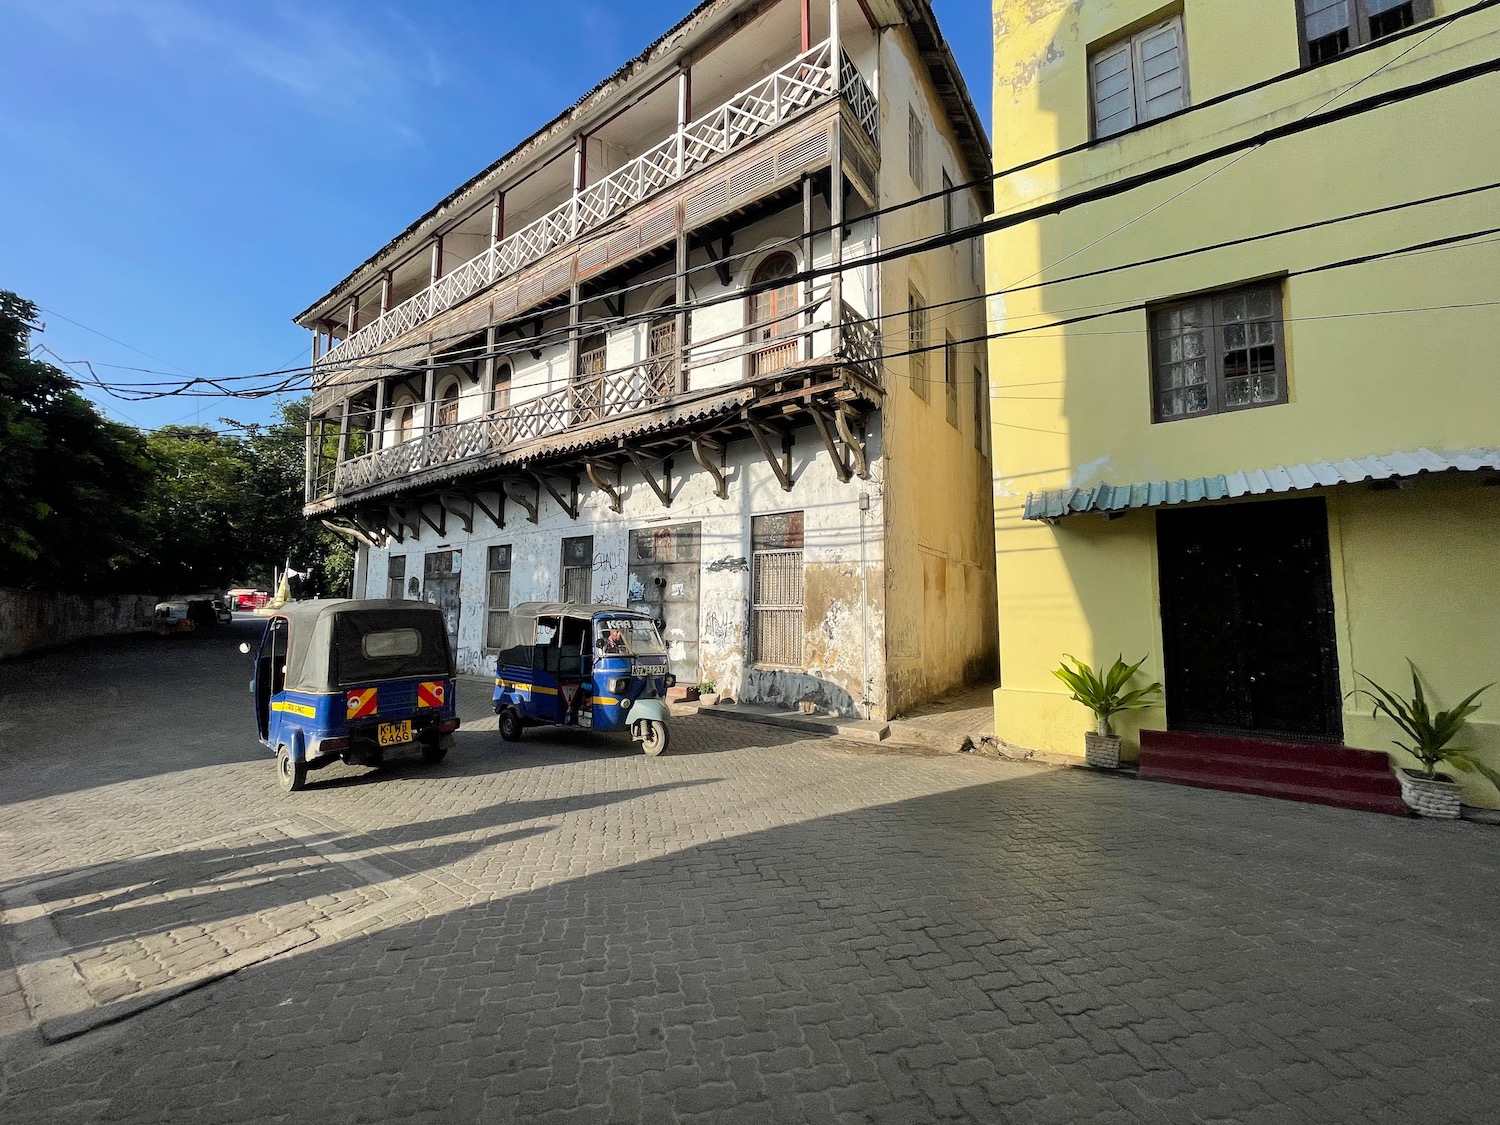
(393, 734)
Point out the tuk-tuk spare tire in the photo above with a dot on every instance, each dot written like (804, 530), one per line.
(510, 724)
(654, 737)
(290, 775)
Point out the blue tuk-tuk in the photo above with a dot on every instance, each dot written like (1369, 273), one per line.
(596, 667)
(346, 680)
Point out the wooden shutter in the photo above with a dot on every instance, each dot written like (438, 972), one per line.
(1114, 90)
(1160, 83)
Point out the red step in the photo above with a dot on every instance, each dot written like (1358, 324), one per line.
(1296, 771)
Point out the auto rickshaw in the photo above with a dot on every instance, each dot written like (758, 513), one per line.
(347, 680)
(170, 618)
(596, 667)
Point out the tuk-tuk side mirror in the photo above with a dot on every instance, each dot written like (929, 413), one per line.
(245, 648)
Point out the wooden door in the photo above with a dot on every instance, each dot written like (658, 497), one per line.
(1247, 620)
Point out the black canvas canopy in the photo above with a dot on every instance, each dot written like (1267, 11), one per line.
(326, 647)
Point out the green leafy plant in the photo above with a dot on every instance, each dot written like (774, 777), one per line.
(1105, 695)
(1430, 733)
(706, 687)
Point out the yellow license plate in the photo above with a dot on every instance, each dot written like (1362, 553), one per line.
(393, 734)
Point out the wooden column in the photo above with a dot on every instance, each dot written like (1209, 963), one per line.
(806, 26)
(307, 461)
(435, 271)
(385, 293)
(836, 188)
(316, 340)
(497, 219)
(684, 114)
(353, 323)
(575, 316)
(343, 433)
(429, 395)
(681, 329)
(806, 318)
(377, 428)
(487, 380)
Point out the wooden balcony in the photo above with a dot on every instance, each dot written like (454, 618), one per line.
(604, 413)
(805, 83)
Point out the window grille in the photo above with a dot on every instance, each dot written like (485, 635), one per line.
(981, 412)
(592, 352)
(778, 627)
(578, 569)
(1218, 352)
(916, 158)
(395, 577)
(1139, 79)
(950, 377)
(916, 341)
(497, 596)
(1329, 28)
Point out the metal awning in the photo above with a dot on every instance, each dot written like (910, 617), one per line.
(1255, 482)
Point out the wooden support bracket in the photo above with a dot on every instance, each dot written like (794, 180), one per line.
(378, 535)
(664, 489)
(440, 525)
(532, 504)
(835, 454)
(710, 456)
(615, 305)
(597, 471)
(497, 513)
(782, 465)
(460, 506)
(567, 503)
(854, 440)
(720, 260)
(399, 525)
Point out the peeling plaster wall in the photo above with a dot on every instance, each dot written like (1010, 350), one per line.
(941, 618)
(844, 638)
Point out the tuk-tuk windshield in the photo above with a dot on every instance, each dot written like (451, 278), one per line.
(628, 636)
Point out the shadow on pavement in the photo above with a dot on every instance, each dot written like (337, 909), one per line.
(1050, 947)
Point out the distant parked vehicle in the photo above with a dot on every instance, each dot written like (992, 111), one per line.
(221, 611)
(170, 618)
(346, 680)
(247, 600)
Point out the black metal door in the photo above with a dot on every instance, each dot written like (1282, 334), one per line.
(1247, 620)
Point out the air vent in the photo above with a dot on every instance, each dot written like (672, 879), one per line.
(559, 277)
(796, 155)
(703, 203)
(626, 241)
(753, 177)
(593, 256)
(658, 225)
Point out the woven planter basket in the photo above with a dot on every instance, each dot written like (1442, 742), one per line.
(1102, 751)
(1429, 797)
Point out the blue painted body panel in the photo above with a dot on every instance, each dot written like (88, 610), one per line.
(395, 700)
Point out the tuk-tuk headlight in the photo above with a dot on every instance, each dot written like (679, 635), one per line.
(619, 687)
(671, 680)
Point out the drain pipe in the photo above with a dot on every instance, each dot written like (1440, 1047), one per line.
(864, 608)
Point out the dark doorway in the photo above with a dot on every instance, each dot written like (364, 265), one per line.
(664, 583)
(1247, 620)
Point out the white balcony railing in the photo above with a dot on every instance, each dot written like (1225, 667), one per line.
(598, 398)
(801, 84)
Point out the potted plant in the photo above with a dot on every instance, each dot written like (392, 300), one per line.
(706, 694)
(1105, 696)
(1425, 791)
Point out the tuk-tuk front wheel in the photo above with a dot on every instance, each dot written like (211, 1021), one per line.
(510, 725)
(653, 737)
(290, 775)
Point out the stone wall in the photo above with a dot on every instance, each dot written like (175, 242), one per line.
(31, 621)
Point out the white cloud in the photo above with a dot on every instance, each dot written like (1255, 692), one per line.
(337, 68)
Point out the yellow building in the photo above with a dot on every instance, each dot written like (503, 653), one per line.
(1246, 408)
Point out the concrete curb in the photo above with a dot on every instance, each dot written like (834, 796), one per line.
(860, 730)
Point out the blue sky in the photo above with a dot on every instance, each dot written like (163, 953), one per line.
(185, 175)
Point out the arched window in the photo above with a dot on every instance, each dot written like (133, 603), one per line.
(406, 422)
(447, 411)
(773, 316)
(591, 355)
(661, 355)
(500, 399)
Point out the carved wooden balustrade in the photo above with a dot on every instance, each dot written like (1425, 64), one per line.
(596, 398)
(804, 82)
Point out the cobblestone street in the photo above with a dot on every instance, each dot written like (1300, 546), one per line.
(757, 926)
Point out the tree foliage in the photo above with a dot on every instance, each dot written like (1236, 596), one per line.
(88, 505)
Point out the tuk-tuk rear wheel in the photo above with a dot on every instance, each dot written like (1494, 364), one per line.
(510, 725)
(290, 775)
(434, 752)
(654, 737)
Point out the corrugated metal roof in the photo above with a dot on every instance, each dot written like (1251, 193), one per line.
(1254, 482)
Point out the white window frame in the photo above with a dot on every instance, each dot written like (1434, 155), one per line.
(1132, 49)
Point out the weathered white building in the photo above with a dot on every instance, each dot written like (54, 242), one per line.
(643, 359)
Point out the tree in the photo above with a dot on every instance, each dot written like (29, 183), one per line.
(72, 483)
